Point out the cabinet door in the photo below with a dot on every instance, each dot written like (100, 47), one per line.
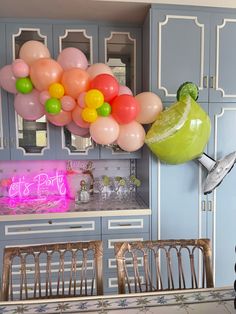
(85, 38)
(222, 229)
(179, 49)
(120, 48)
(223, 58)
(29, 139)
(4, 127)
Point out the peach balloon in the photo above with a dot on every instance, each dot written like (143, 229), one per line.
(75, 81)
(105, 130)
(60, 119)
(81, 100)
(150, 106)
(33, 50)
(77, 118)
(131, 136)
(99, 68)
(44, 72)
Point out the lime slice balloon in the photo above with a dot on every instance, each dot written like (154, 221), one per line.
(180, 132)
(188, 88)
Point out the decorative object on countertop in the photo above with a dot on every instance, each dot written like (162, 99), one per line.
(82, 196)
(89, 170)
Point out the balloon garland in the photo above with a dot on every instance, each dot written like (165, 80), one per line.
(87, 100)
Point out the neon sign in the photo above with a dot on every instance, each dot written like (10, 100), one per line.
(39, 186)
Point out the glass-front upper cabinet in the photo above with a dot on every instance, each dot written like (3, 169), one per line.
(120, 48)
(85, 38)
(28, 139)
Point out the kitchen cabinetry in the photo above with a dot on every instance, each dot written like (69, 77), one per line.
(194, 44)
(42, 140)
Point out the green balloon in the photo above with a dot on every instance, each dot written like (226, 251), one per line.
(53, 106)
(104, 110)
(24, 85)
(180, 132)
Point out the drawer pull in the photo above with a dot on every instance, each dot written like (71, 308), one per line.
(124, 225)
(22, 229)
(76, 227)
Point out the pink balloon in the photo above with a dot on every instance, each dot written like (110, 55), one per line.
(7, 79)
(131, 136)
(81, 100)
(99, 68)
(76, 130)
(28, 106)
(20, 68)
(105, 130)
(44, 96)
(60, 119)
(150, 106)
(72, 58)
(44, 72)
(33, 50)
(68, 103)
(124, 90)
(77, 118)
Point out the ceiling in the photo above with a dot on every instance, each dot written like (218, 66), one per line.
(133, 11)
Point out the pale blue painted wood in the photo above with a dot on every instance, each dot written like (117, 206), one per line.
(16, 152)
(179, 44)
(221, 225)
(4, 122)
(223, 57)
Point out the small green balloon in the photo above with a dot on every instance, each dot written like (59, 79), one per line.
(53, 106)
(104, 110)
(24, 85)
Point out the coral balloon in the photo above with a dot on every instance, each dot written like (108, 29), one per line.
(44, 72)
(107, 84)
(68, 103)
(98, 68)
(72, 58)
(89, 114)
(105, 130)
(20, 68)
(33, 50)
(125, 108)
(76, 130)
(60, 119)
(77, 118)
(125, 90)
(94, 98)
(150, 106)
(44, 96)
(7, 79)
(28, 106)
(81, 100)
(131, 136)
(56, 90)
(75, 81)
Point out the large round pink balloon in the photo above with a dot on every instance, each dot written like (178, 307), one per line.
(33, 50)
(7, 79)
(60, 119)
(99, 68)
(105, 130)
(44, 72)
(28, 106)
(72, 58)
(131, 136)
(150, 106)
(76, 130)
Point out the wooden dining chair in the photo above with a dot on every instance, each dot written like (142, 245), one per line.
(145, 266)
(52, 271)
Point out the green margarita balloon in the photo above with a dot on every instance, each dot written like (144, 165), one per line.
(24, 85)
(180, 132)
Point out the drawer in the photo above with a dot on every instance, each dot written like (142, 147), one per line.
(109, 240)
(127, 224)
(50, 228)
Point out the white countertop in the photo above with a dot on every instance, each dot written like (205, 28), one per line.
(57, 207)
